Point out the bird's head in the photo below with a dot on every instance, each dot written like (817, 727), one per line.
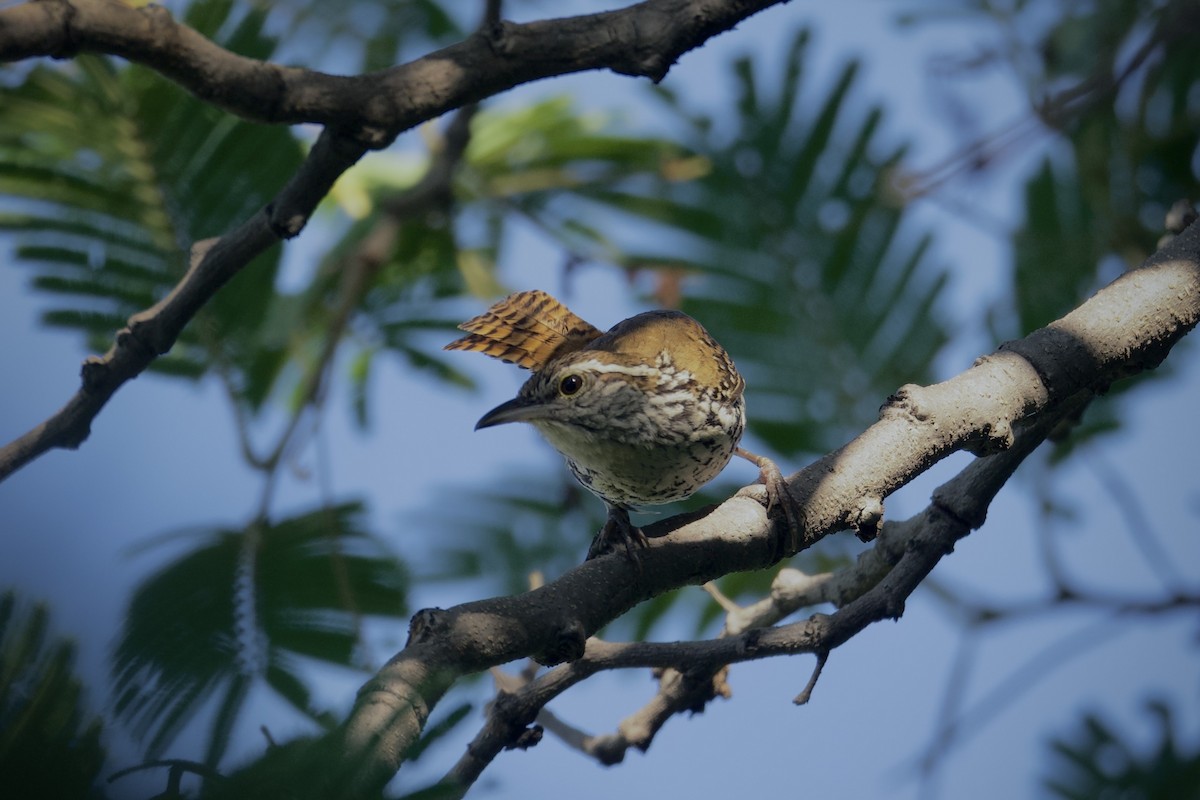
(591, 393)
(642, 382)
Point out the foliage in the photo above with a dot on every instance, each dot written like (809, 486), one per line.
(119, 171)
(244, 606)
(1116, 82)
(498, 535)
(48, 745)
(302, 767)
(1098, 208)
(1097, 761)
(803, 243)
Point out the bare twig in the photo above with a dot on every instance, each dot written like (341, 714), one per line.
(720, 598)
(952, 699)
(956, 729)
(791, 590)
(573, 737)
(806, 694)
(1137, 522)
(1053, 112)
(1051, 560)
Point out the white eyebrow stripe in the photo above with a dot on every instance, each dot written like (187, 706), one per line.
(641, 370)
(601, 366)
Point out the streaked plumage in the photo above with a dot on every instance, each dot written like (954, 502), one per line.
(644, 414)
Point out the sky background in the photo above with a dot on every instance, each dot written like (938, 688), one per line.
(163, 457)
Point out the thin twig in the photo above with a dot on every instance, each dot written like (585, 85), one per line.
(806, 694)
(720, 598)
(955, 726)
(952, 699)
(1137, 522)
(1055, 111)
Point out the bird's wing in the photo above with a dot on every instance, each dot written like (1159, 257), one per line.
(529, 329)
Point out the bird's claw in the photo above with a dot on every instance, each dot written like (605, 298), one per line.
(618, 530)
(779, 501)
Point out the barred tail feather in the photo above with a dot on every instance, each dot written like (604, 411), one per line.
(529, 329)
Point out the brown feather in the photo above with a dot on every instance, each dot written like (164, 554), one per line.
(529, 329)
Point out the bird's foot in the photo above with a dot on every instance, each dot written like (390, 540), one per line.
(618, 531)
(779, 500)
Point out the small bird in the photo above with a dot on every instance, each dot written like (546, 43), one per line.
(644, 414)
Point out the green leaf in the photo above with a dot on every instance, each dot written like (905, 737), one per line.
(360, 373)
(115, 171)
(242, 606)
(1055, 251)
(810, 275)
(498, 535)
(1096, 761)
(48, 745)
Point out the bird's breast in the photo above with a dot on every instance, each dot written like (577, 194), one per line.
(651, 471)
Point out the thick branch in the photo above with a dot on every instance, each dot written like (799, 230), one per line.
(914, 544)
(642, 40)
(1128, 326)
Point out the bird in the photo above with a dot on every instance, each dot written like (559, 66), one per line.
(644, 414)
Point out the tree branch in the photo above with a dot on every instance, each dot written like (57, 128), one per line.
(153, 332)
(927, 538)
(1126, 327)
(642, 40)
(360, 113)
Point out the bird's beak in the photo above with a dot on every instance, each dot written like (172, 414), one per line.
(519, 409)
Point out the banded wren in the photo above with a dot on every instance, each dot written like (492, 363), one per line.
(644, 414)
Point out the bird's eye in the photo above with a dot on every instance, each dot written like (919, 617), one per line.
(570, 385)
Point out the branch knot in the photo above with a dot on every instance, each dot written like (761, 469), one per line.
(570, 640)
(70, 44)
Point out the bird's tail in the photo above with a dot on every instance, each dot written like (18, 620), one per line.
(529, 329)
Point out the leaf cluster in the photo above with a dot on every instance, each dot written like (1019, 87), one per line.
(243, 605)
(1098, 761)
(50, 746)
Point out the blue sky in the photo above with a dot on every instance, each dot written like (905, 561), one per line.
(69, 520)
